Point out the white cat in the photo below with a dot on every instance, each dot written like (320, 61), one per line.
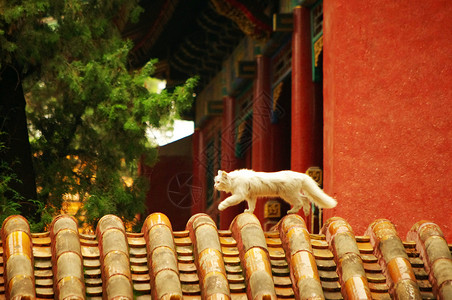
(249, 185)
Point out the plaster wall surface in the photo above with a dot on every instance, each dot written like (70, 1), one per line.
(388, 111)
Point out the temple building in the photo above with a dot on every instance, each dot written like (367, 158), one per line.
(356, 93)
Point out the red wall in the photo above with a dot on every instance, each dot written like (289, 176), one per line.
(388, 111)
(170, 179)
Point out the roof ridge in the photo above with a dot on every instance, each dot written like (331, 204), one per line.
(350, 269)
(393, 259)
(162, 257)
(67, 258)
(18, 258)
(253, 252)
(208, 257)
(296, 242)
(436, 255)
(114, 257)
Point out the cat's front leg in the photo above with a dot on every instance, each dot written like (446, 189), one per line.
(251, 205)
(230, 201)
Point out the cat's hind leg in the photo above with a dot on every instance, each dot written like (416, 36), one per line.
(230, 201)
(306, 204)
(294, 201)
(295, 208)
(298, 202)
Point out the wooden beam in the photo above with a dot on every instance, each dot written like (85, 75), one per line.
(246, 69)
(283, 22)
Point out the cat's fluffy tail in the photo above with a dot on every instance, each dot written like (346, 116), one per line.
(315, 194)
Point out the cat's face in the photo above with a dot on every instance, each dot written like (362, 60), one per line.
(221, 181)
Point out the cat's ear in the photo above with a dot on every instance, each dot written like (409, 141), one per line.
(222, 174)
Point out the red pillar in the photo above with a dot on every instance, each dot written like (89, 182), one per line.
(303, 150)
(199, 173)
(261, 150)
(228, 159)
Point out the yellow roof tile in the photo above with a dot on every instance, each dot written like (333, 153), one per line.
(250, 262)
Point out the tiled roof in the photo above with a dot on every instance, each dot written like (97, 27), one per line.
(241, 263)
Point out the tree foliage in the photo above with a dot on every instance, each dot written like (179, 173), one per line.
(9, 198)
(87, 112)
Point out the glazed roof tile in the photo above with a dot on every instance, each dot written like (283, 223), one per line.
(243, 262)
